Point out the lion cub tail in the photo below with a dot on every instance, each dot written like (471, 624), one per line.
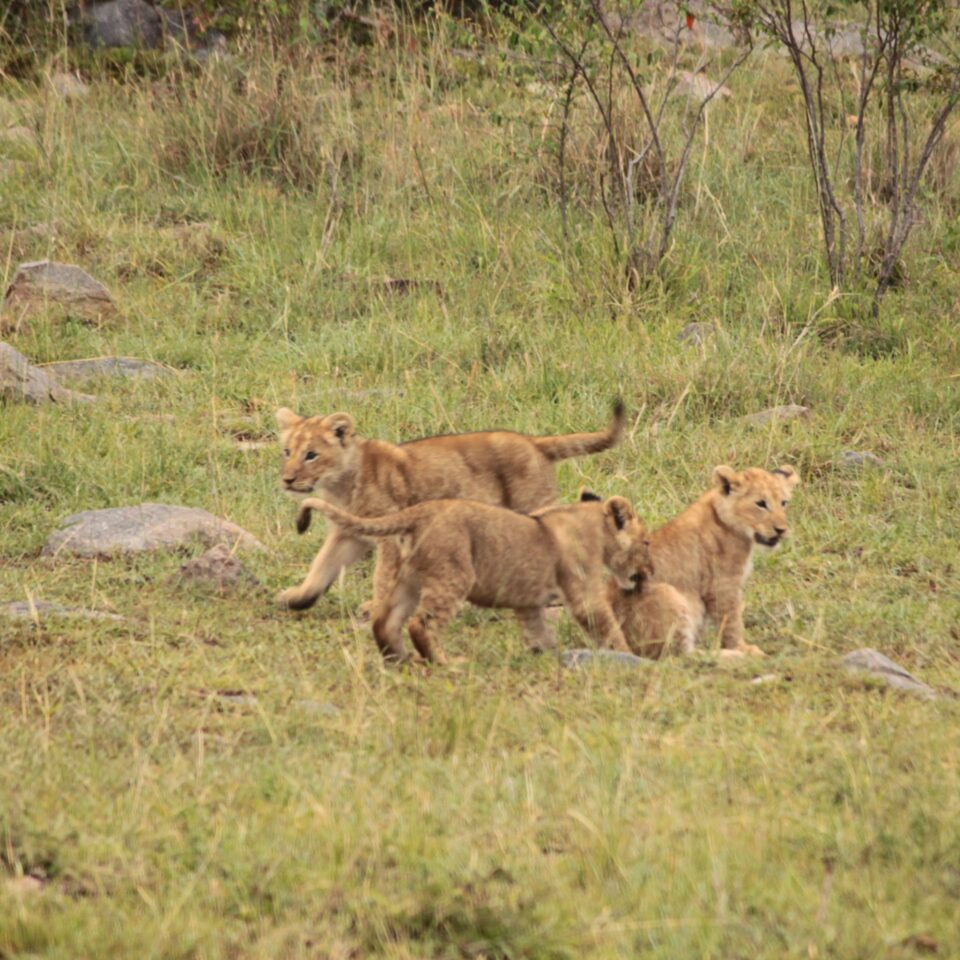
(580, 444)
(392, 524)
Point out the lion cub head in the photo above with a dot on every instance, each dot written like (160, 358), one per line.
(317, 451)
(753, 504)
(626, 543)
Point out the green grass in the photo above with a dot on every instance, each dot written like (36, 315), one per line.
(502, 808)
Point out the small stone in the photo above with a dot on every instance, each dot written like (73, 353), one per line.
(28, 885)
(581, 658)
(858, 459)
(248, 446)
(698, 86)
(789, 411)
(217, 568)
(43, 282)
(106, 367)
(318, 707)
(143, 529)
(69, 86)
(877, 665)
(41, 610)
(18, 134)
(765, 678)
(697, 333)
(20, 380)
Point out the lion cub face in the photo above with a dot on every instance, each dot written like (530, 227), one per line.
(317, 451)
(753, 504)
(626, 544)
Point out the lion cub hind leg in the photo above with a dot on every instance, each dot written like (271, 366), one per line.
(439, 602)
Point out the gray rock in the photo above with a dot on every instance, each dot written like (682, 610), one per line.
(43, 282)
(580, 658)
(137, 23)
(697, 333)
(20, 380)
(217, 568)
(40, 609)
(859, 458)
(123, 23)
(875, 664)
(143, 529)
(106, 367)
(789, 411)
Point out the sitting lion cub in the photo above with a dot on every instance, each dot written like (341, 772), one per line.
(373, 478)
(701, 561)
(457, 550)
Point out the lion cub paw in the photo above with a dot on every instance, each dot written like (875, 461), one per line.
(744, 650)
(292, 599)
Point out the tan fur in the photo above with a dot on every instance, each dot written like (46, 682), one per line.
(457, 550)
(372, 478)
(701, 561)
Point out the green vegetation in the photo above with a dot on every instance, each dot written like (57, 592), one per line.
(502, 808)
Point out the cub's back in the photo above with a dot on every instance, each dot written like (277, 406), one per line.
(496, 467)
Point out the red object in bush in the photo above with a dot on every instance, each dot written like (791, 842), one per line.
(689, 20)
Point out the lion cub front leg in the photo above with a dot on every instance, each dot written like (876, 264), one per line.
(601, 625)
(536, 630)
(385, 575)
(727, 611)
(337, 552)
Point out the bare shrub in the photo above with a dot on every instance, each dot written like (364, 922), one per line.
(906, 83)
(646, 118)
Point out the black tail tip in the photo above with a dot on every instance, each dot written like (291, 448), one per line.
(303, 519)
(587, 496)
(619, 408)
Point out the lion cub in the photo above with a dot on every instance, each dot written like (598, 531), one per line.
(701, 561)
(457, 550)
(372, 478)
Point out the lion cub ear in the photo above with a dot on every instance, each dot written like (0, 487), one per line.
(287, 419)
(620, 510)
(341, 426)
(726, 478)
(790, 476)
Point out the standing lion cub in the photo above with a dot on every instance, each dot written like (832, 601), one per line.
(701, 560)
(372, 478)
(458, 550)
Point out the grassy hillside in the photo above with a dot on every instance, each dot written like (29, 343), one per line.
(220, 778)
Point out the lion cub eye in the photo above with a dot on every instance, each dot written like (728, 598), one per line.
(310, 455)
(762, 504)
(286, 452)
(783, 503)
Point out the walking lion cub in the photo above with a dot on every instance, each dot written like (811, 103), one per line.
(457, 550)
(372, 478)
(701, 561)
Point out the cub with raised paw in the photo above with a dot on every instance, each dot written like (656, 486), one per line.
(373, 477)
